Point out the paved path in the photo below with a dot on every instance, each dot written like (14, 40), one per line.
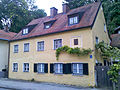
(8, 84)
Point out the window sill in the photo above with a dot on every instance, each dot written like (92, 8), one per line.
(15, 52)
(26, 51)
(58, 73)
(25, 71)
(40, 50)
(14, 71)
(78, 75)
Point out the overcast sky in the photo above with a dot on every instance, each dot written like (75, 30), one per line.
(47, 4)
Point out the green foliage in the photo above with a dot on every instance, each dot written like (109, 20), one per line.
(114, 72)
(108, 51)
(18, 13)
(77, 51)
(111, 53)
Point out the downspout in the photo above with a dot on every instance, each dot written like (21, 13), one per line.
(8, 56)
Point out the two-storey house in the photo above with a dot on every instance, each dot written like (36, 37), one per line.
(33, 49)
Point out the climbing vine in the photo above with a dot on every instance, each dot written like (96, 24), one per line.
(111, 53)
(77, 51)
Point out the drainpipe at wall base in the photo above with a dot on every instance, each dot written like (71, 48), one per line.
(8, 58)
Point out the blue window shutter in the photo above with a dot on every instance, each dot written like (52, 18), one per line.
(51, 68)
(35, 67)
(46, 68)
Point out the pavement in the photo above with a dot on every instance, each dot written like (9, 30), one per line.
(10, 84)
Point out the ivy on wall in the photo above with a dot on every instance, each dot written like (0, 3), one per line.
(111, 53)
(69, 50)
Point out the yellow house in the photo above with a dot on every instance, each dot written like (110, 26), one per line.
(33, 49)
(5, 36)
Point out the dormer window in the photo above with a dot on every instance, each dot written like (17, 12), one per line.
(73, 20)
(118, 32)
(25, 31)
(48, 24)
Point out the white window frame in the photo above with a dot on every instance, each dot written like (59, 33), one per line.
(16, 50)
(59, 68)
(26, 68)
(79, 70)
(41, 47)
(41, 67)
(15, 67)
(59, 45)
(73, 20)
(28, 47)
(25, 31)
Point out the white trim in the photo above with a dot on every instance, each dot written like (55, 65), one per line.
(23, 67)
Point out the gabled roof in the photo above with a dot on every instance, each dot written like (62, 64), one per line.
(61, 23)
(6, 35)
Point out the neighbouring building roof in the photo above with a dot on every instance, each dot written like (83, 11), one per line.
(6, 35)
(116, 38)
(61, 22)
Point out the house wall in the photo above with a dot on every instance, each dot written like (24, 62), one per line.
(4, 46)
(87, 39)
(48, 56)
(98, 31)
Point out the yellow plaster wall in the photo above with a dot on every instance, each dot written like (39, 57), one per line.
(87, 37)
(48, 56)
(4, 47)
(98, 30)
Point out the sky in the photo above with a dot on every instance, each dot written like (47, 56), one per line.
(47, 4)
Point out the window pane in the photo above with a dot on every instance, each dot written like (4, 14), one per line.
(57, 43)
(58, 68)
(75, 41)
(75, 19)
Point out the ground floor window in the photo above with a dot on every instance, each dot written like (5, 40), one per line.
(40, 68)
(58, 68)
(26, 67)
(15, 67)
(78, 68)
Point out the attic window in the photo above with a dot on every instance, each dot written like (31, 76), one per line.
(118, 32)
(75, 18)
(47, 25)
(28, 29)
(25, 31)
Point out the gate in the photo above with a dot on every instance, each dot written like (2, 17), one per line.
(102, 78)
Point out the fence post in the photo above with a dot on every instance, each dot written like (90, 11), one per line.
(114, 87)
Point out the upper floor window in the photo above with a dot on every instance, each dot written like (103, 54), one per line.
(58, 68)
(75, 41)
(97, 40)
(25, 31)
(57, 43)
(105, 29)
(15, 67)
(26, 67)
(15, 48)
(26, 47)
(73, 20)
(40, 46)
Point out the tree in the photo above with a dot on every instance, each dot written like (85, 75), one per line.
(18, 13)
(111, 10)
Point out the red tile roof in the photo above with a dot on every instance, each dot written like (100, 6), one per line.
(115, 40)
(61, 23)
(6, 35)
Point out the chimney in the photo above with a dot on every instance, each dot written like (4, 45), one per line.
(53, 11)
(65, 8)
(6, 29)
